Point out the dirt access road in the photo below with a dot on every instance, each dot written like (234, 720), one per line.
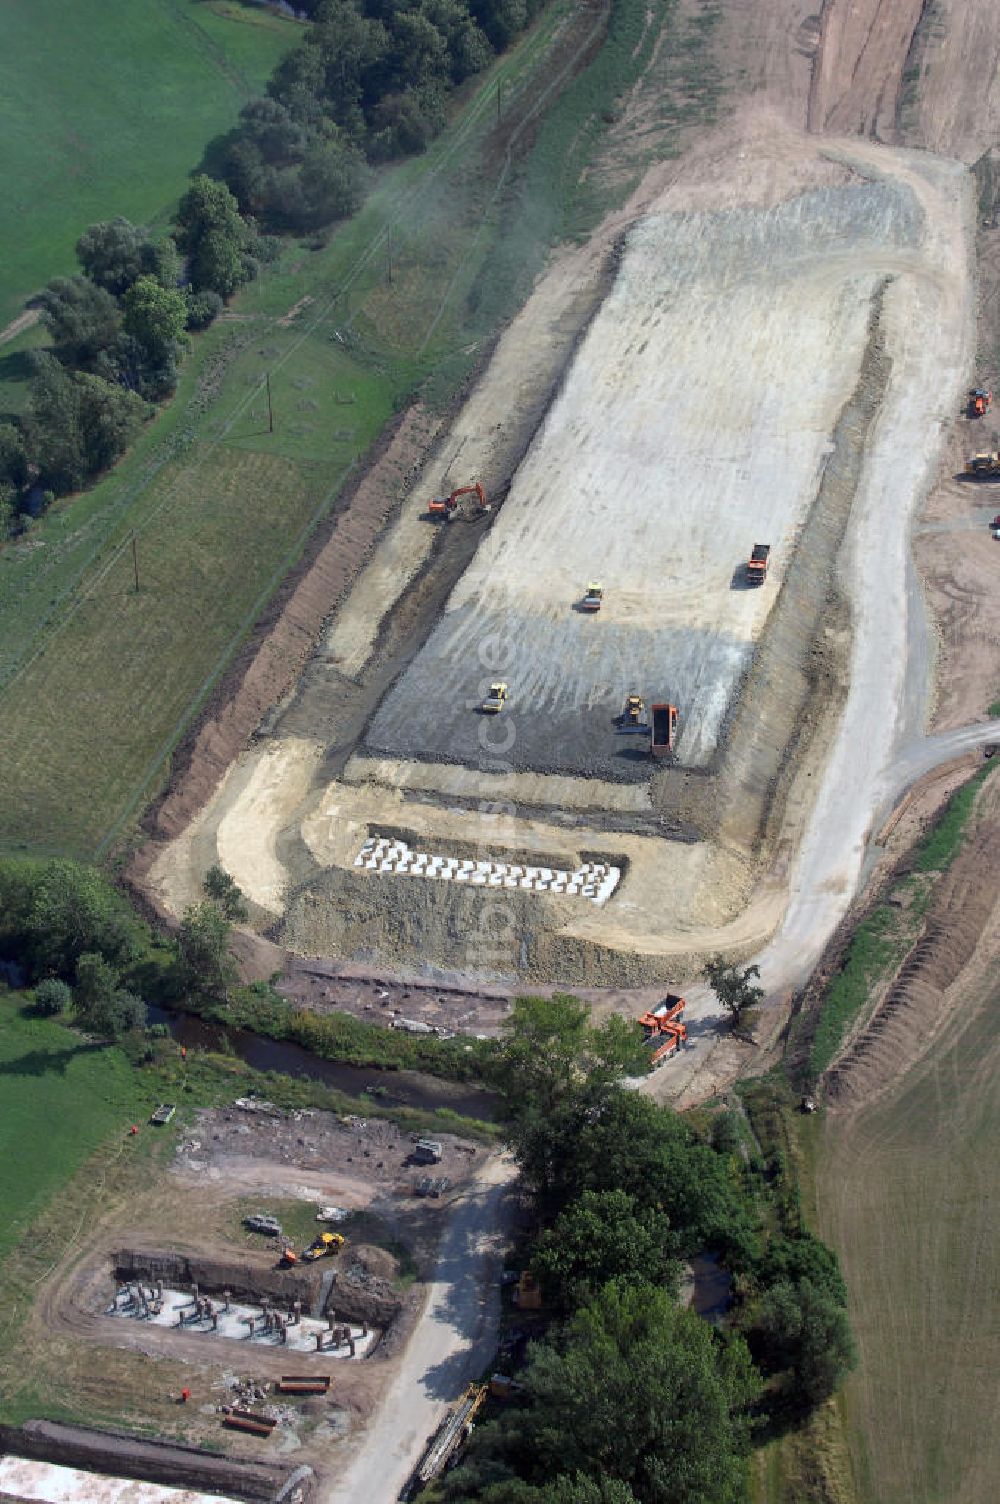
(455, 1339)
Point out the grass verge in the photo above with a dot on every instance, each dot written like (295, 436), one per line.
(883, 938)
(347, 1040)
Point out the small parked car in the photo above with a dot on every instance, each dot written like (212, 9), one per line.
(261, 1223)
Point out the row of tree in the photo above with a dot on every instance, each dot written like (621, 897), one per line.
(84, 951)
(118, 331)
(370, 82)
(629, 1397)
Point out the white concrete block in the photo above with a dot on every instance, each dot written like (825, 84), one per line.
(478, 879)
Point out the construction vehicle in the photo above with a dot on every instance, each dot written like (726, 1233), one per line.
(162, 1115)
(633, 717)
(980, 402)
(664, 1031)
(756, 567)
(289, 1258)
(663, 729)
(446, 1441)
(446, 508)
(259, 1222)
(593, 597)
(426, 1151)
(495, 700)
(984, 466)
(323, 1246)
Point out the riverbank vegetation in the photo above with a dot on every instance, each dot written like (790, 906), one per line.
(625, 1394)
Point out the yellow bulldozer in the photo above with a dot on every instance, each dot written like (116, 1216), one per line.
(323, 1246)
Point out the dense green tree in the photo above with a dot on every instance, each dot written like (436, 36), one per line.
(603, 1235)
(550, 1053)
(804, 1329)
(804, 1257)
(155, 316)
(562, 1490)
(204, 963)
(224, 890)
(734, 987)
(638, 1390)
(332, 179)
(8, 510)
(82, 319)
(75, 425)
(52, 425)
(13, 457)
(97, 981)
(216, 240)
(53, 997)
(108, 419)
(202, 309)
(161, 261)
(113, 254)
(61, 911)
(629, 1143)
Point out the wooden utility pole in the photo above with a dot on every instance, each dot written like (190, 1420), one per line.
(388, 251)
(499, 87)
(135, 562)
(270, 412)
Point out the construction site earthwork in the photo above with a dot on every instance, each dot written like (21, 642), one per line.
(663, 643)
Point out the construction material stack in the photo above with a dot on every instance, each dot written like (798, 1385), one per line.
(452, 1432)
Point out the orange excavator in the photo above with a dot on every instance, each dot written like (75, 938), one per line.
(664, 1030)
(447, 508)
(980, 401)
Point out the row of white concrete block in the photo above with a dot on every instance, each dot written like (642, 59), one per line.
(595, 881)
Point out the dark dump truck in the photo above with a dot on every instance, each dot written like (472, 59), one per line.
(757, 563)
(663, 729)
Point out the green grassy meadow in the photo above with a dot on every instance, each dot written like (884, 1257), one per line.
(62, 1099)
(908, 1192)
(106, 107)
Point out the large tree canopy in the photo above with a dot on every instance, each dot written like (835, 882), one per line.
(634, 1390)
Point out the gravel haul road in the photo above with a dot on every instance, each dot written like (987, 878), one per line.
(453, 1342)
